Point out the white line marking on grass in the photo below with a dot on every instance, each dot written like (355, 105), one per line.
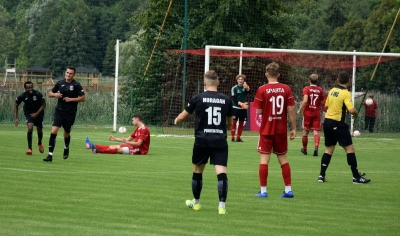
(24, 170)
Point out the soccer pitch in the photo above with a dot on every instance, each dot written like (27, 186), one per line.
(101, 194)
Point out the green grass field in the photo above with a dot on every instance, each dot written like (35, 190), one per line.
(100, 194)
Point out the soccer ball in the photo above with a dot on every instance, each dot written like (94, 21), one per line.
(369, 102)
(122, 130)
(356, 133)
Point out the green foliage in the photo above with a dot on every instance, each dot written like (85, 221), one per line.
(349, 37)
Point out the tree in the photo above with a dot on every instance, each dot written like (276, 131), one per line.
(62, 34)
(376, 32)
(7, 37)
(349, 37)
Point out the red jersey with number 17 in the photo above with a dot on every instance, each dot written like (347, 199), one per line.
(315, 97)
(273, 98)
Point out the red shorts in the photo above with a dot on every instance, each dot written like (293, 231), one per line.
(129, 149)
(277, 143)
(312, 123)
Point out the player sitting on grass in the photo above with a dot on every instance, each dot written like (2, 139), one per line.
(138, 143)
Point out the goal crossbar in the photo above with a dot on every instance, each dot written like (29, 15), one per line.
(208, 48)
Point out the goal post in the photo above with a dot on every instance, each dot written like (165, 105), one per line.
(296, 66)
(208, 49)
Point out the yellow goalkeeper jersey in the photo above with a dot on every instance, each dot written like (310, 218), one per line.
(338, 103)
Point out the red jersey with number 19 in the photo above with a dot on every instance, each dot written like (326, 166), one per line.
(315, 97)
(273, 98)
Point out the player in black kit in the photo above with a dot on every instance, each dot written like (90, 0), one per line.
(68, 92)
(213, 114)
(34, 104)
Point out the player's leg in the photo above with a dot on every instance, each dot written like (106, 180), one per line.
(366, 122)
(235, 119)
(39, 128)
(264, 148)
(304, 141)
(280, 148)
(242, 119)
(372, 124)
(29, 136)
(200, 157)
(68, 122)
(304, 138)
(219, 158)
(57, 122)
(330, 142)
(315, 127)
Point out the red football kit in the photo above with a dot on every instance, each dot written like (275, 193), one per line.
(273, 98)
(312, 111)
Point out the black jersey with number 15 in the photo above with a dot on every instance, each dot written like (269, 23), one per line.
(211, 109)
(71, 90)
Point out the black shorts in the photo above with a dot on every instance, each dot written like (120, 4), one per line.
(65, 119)
(239, 114)
(336, 132)
(218, 156)
(38, 121)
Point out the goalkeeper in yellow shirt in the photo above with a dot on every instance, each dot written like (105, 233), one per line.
(240, 106)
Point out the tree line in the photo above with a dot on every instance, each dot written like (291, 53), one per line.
(57, 33)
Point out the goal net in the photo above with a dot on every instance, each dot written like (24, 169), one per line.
(182, 81)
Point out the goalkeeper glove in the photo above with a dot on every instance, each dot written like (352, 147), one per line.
(246, 86)
(243, 105)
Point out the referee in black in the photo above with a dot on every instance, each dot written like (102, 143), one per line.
(68, 92)
(213, 115)
(336, 129)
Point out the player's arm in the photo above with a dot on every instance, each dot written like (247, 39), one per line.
(41, 108)
(122, 140)
(78, 99)
(359, 95)
(353, 111)
(136, 144)
(292, 118)
(181, 117)
(303, 103)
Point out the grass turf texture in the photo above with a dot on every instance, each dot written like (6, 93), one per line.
(100, 194)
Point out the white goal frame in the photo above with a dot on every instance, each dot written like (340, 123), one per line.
(208, 48)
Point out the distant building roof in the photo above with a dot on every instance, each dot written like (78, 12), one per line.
(2, 70)
(37, 68)
(85, 70)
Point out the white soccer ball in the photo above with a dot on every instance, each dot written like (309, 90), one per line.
(369, 102)
(122, 130)
(356, 133)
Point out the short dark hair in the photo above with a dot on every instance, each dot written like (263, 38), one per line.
(28, 82)
(343, 77)
(71, 68)
(211, 74)
(139, 117)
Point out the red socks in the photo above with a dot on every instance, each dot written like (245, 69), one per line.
(316, 140)
(263, 174)
(287, 178)
(304, 140)
(233, 129)
(240, 129)
(106, 149)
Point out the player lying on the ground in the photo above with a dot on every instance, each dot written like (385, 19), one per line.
(138, 143)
